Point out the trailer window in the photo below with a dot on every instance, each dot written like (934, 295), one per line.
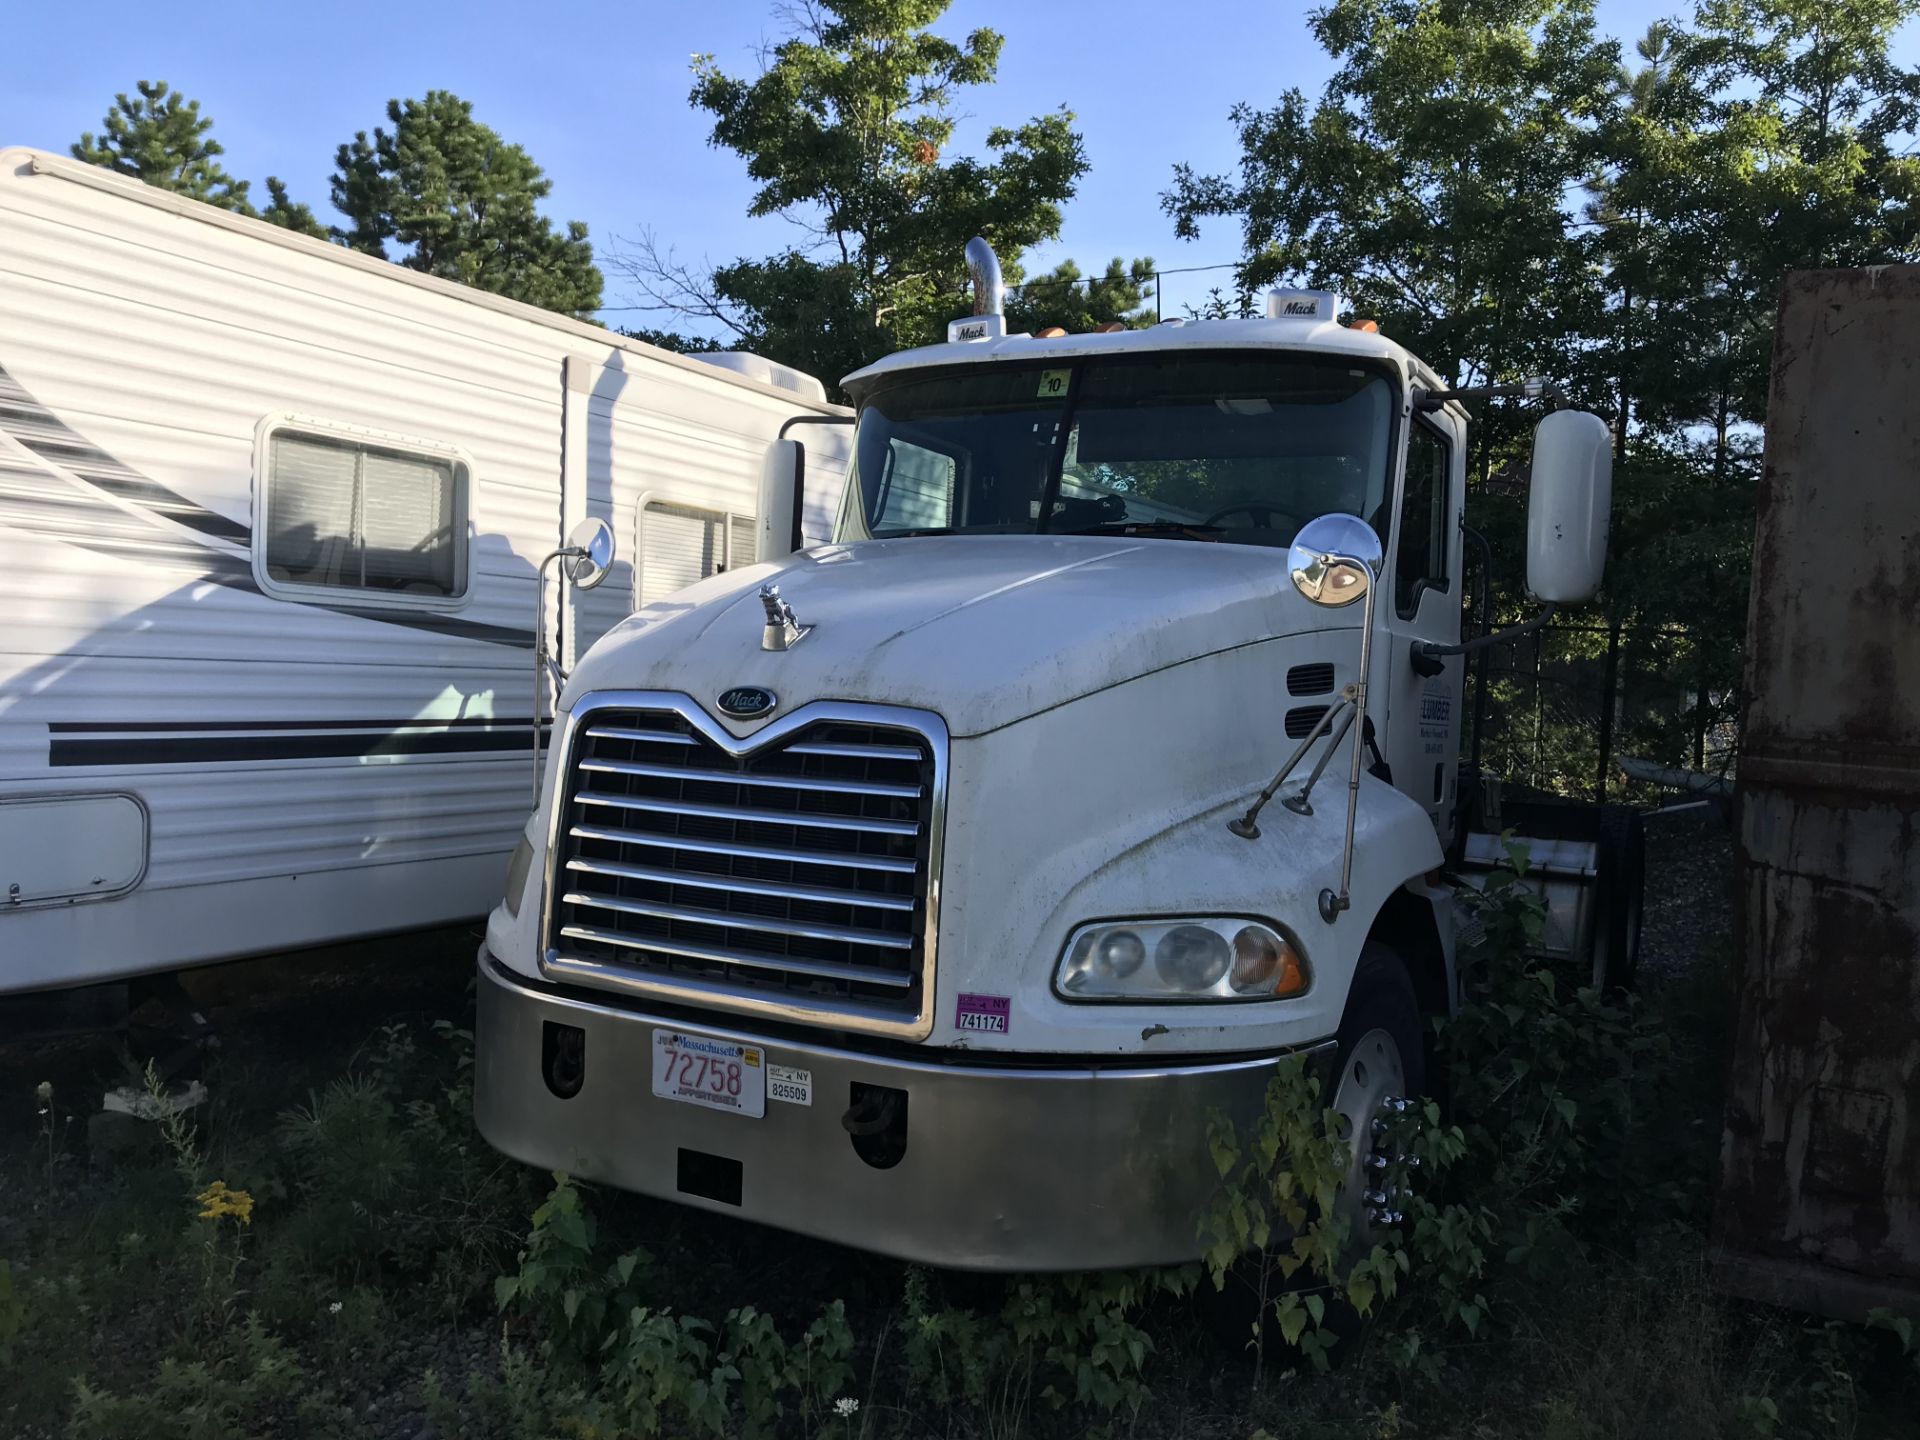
(680, 544)
(342, 514)
(1421, 562)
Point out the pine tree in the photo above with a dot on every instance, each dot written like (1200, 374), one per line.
(463, 204)
(160, 136)
(289, 214)
(1077, 303)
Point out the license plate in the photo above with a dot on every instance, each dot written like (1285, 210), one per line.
(707, 1072)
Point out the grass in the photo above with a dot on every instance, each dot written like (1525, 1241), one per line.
(358, 1295)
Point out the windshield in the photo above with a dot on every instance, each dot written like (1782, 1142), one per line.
(1241, 448)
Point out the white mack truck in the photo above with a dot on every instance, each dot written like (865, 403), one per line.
(918, 891)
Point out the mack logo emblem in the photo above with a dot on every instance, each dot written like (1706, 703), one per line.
(743, 702)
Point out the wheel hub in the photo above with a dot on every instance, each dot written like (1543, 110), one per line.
(1371, 1089)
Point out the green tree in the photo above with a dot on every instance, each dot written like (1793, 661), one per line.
(1429, 180)
(159, 136)
(290, 214)
(1076, 303)
(1816, 168)
(674, 340)
(846, 132)
(162, 138)
(464, 204)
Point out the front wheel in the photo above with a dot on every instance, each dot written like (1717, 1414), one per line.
(1381, 1069)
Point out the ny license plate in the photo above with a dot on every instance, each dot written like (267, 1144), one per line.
(713, 1073)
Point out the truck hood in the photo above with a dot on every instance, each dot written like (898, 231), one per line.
(982, 630)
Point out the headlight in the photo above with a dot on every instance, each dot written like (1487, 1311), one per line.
(1198, 959)
(517, 867)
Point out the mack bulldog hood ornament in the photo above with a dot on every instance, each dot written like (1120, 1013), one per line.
(783, 631)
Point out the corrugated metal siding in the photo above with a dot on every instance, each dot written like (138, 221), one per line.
(1820, 1177)
(664, 434)
(166, 342)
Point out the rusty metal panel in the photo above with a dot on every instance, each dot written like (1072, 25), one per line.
(1819, 1201)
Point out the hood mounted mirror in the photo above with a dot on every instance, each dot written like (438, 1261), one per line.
(589, 552)
(1334, 559)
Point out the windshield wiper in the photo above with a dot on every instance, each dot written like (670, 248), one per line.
(1004, 529)
(1147, 527)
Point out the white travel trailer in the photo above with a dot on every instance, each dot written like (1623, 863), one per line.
(271, 515)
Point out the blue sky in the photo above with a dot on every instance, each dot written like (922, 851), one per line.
(597, 92)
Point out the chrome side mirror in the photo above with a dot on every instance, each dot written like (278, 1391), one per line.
(1334, 560)
(589, 552)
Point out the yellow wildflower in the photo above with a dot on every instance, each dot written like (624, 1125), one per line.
(217, 1200)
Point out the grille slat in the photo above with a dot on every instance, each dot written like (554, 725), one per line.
(744, 852)
(795, 875)
(753, 817)
(736, 957)
(725, 920)
(770, 782)
(820, 894)
(858, 752)
(621, 732)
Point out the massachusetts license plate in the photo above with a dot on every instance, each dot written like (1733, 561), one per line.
(707, 1072)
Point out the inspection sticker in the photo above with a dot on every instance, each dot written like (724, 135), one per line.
(1053, 383)
(785, 1083)
(987, 1014)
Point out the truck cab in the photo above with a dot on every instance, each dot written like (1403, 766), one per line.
(916, 891)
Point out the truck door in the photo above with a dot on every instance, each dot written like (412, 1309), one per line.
(1420, 598)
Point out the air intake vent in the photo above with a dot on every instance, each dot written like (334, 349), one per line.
(793, 877)
(1301, 720)
(1314, 679)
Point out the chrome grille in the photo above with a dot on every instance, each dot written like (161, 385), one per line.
(795, 875)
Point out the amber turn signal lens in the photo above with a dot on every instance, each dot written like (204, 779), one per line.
(1264, 964)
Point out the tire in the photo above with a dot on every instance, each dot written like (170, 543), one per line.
(1381, 1056)
(1619, 898)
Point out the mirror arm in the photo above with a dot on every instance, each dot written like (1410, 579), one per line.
(1425, 652)
(798, 540)
(544, 665)
(1536, 388)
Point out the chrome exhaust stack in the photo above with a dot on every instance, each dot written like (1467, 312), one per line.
(983, 268)
(989, 320)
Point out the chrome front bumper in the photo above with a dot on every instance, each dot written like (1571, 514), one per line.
(1019, 1169)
